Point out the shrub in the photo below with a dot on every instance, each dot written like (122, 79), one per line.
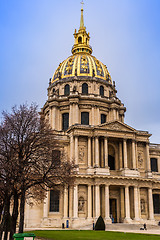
(100, 225)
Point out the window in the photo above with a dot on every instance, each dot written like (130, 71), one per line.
(154, 166)
(66, 90)
(156, 203)
(85, 118)
(65, 121)
(111, 162)
(80, 40)
(54, 201)
(103, 118)
(56, 157)
(85, 88)
(101, 91)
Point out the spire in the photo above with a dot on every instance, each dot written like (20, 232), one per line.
(81, 38)
(82, 20)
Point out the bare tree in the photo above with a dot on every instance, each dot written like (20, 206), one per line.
(28, 158)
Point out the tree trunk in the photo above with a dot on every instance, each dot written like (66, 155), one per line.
(14, 215)
(22, 205)
(1, 211)
(6, 225)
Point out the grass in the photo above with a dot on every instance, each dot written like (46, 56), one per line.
(92, 235)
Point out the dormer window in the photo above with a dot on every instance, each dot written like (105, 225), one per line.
(66, 90)
(85, 88)
(101, 91)
(103, 118)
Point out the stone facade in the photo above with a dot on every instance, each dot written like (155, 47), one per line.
(118, 170)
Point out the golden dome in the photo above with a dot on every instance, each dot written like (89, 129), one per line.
(81, 63)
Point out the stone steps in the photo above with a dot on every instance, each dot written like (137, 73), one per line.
(120, 227)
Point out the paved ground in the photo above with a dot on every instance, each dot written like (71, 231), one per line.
(150, 231)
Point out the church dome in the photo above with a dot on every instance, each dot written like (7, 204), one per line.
(81, 63)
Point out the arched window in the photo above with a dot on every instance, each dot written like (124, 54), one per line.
(101, 91)
(85, 118)
(65, 121)
(85, 88)
(80, 40)
(66, 90)
(154, 166)
(103, 118)
(54, 201)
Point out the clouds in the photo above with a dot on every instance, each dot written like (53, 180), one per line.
(125, 35)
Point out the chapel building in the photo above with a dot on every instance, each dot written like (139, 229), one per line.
(118, 170)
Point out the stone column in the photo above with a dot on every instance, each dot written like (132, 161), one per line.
(106, 152)
(127, 204)
(101, 144)
(71, 148)
(120, 155)
(58, 117)
(96, 151)
(93, 123)
(89, 152)
(76, 150)
(107, 218)
(65, 204)
(98, 116)
(46, 206)
(75, 203)
(71, 115)
(136, 204)
(114, 114)
(150, 204)
(89, 202)
(122, 202)
(76, 113)
(93, 151)
(125, 152)
(133, 155)
(148, 158)
(70, 201)
(117, 115)
(97, 201)
(53, 118)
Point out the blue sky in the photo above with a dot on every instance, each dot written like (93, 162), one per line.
(36, 35)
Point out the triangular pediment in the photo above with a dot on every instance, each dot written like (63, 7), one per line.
(117, 126)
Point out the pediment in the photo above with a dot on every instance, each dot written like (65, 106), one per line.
(117, 126)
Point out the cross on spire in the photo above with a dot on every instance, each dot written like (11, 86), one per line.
(82, 4)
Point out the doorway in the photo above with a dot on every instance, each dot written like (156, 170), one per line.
(113, 210)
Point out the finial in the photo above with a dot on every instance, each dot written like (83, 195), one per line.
(82, 20)
(82, 4)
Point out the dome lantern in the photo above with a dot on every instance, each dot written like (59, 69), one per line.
(81, 43)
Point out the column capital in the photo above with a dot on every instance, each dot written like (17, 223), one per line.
(97, 184)
(107, 185)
